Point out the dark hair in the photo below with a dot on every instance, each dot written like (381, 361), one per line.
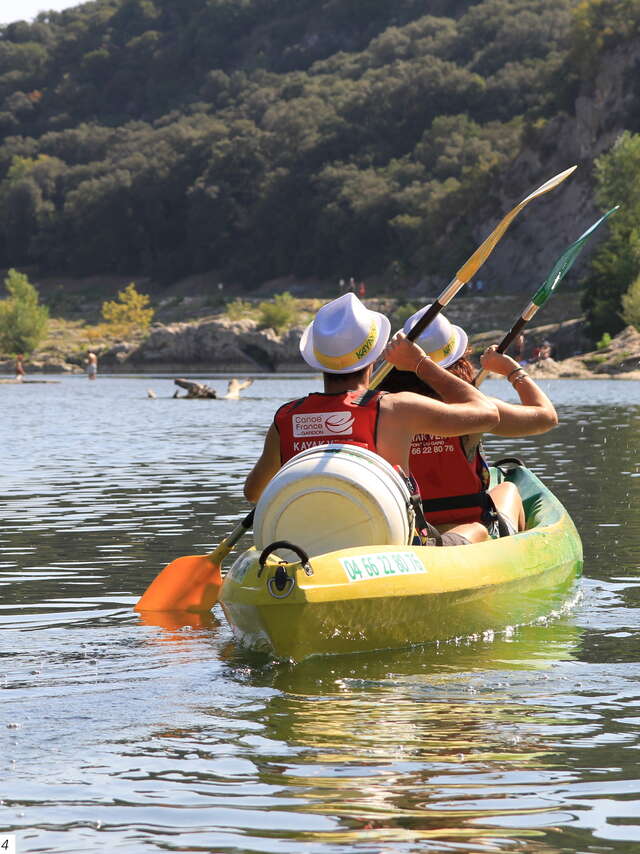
(408, 381)
(356, 376)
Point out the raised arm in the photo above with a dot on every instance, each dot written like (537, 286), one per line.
(535, 413)
(462, 409)
(265, 468)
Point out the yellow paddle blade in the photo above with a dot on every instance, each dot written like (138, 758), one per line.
(471, 267)
(188, 583)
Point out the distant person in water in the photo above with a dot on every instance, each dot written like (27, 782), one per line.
(451, 473)
(20, 367)
(91, 362)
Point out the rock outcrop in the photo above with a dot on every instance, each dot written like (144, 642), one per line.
(216, 344)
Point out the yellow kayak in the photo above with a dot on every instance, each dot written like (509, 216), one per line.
(368, 598)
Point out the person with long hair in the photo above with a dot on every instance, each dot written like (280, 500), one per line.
(451, 472)
(343, 342)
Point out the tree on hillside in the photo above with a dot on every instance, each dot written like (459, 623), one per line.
(262, 138)
(631, 305)
(616, 264)
(23, 322)
(129, 313)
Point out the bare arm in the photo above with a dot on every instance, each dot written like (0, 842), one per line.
(265, 468)
(535, 414)
(463, 409)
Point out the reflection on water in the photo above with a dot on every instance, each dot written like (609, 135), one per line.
(121, 734)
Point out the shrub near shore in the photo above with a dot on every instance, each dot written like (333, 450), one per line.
(252, 343)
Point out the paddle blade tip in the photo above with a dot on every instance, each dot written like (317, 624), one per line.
(189, 583)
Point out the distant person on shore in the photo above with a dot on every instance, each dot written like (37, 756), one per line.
(362, 290)
(91, 362)
(19, 367)
(519, 348)
(542, 352)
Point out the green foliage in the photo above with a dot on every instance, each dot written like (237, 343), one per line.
(170, 138)
(23, 321)
(402, 313)
(239, 309)
(280, 313)
(129, 313)
(631, 304)
(599, 25)
(604, 341)
(616, 263)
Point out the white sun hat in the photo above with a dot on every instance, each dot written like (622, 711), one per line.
(441, 340)
(344, 336)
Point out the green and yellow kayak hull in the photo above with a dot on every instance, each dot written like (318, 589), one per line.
(364, 599)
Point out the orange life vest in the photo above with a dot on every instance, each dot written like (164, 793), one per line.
(452, 486)
(349, 417)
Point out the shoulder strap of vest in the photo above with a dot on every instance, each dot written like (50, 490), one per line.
(368, 395)
(290, 405)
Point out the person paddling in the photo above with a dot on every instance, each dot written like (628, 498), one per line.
(451, 473)
(343, 341)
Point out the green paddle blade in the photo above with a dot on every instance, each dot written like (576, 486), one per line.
(565, 261)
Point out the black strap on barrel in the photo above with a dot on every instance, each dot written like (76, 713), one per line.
(425, 529)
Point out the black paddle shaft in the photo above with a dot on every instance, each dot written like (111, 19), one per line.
(515, 330)
(430, 314)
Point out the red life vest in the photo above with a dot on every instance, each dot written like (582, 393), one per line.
(452, 487)
(349, 417)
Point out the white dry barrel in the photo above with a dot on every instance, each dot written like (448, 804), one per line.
(333, 497)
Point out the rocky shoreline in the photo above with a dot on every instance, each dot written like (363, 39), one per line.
(219, 345)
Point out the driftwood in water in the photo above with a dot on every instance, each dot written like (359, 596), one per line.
(197, 390)
(235, 387)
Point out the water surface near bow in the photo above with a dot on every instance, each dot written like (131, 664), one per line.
(121, 736)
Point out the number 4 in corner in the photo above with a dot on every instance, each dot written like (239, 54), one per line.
(7, 843)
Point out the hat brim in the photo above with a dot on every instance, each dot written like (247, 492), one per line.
(383, 327)
(460, 350)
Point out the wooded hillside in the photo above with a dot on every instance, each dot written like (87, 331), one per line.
(259, 138)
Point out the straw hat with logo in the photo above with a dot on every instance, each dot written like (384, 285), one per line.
(345, 336)
(443, 342)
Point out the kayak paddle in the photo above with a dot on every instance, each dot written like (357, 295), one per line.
(191, 583)
(558, 272)
(470, 268)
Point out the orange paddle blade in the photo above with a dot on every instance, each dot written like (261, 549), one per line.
(188, 583)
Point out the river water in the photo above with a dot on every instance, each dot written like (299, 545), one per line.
(116, 735)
